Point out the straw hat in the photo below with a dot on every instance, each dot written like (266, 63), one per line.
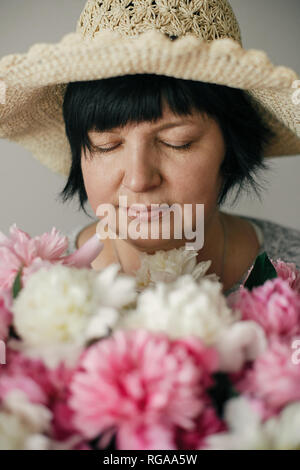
(120, 37)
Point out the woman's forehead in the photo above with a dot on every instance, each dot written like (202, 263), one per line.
(168, 121)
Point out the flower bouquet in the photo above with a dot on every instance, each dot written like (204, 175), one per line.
(103, 360)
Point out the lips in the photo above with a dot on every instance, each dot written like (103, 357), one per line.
(145, 213)
(143, 207)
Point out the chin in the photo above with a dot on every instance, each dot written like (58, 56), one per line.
(151, 246)
(148, 244)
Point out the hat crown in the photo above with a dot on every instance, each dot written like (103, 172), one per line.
(206, 19)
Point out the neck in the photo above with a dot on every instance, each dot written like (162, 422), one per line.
(213, 248)
(214, 244)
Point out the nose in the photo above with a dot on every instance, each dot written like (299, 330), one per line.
(141, 173)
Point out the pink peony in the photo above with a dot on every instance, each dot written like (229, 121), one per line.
(85, 255)
(28, 375)
(136, 435)
(206, 424)
(46, 386)
(143, 385)
(60, 379)
(5, 314)
(21, 251)
(274, 379)
(62, 421)
(207, 358)
(275, 306)
(284, 270)
(42, 385)
(289, 273)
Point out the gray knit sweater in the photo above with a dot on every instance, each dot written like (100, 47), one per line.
(278, 241)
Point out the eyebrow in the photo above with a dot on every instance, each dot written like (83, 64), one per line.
(174, 124)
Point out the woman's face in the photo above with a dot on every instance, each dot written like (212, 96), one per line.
(142, 165)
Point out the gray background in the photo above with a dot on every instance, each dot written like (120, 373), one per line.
(29, 191)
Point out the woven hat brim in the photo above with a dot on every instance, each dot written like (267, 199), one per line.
(36, 81)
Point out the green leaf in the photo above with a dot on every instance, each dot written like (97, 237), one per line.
(17, 286)
(221, 392)
(12, 333)
(262, 271)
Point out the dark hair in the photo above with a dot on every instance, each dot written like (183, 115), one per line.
(113, 102)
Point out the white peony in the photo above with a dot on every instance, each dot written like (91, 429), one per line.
(248, 432)
(23, 423)
(182, 308)
(240, 342)
(63, 307)
(167, 266)
(284, 430)
(26, 426)
(116, 292)
(54, 305)
(115, 289)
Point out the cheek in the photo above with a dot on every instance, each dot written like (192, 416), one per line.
(98, 184)
(203, 169)
(199, 181)
(202, 187)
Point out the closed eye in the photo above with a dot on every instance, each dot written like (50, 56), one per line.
(181, 147)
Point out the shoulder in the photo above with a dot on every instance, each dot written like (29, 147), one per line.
(79, 235)
(85, 234)
(279, 241)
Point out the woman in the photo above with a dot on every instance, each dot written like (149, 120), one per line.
(218, 145)
(96, 102)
